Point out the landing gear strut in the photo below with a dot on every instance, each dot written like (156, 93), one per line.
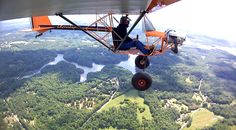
(141, 81)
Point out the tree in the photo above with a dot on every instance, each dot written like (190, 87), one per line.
(189, 122)
(205, 105)
(3, 125)
(219, 126)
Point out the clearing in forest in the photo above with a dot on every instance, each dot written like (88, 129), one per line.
(133, 97)
(202, 118)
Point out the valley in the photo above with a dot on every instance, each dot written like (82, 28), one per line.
(71, 83)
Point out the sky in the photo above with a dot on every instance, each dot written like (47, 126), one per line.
(213, 18)
(207, 17)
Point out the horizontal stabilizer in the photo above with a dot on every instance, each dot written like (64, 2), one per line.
(38, 21)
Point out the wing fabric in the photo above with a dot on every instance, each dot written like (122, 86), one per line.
(12, 9)
(26, 8)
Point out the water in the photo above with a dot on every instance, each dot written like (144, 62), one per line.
(128, 64)
(94, 68)
(59, 58)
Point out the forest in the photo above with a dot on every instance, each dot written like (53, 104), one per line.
(56, 99)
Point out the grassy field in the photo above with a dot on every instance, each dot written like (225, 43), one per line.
(233, 127)
(202, 118)
(133, 96)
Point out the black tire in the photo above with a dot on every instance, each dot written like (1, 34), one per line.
(141, 81)
(142, 62)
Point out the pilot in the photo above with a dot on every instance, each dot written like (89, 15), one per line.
(121, 30)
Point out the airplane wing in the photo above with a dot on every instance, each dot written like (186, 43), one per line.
(11, 9)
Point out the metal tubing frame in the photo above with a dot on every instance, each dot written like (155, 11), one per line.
(89, 30)
(96, 37)
(72, 27)
(104, 23)
(69, 21)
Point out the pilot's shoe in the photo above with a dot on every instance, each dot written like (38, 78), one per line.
(151, 49)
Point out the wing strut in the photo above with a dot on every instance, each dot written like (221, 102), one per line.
(131, 29)
(69, 21)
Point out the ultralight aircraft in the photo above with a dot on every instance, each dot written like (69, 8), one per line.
(102, 30)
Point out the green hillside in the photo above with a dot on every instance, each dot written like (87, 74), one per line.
(143, 110)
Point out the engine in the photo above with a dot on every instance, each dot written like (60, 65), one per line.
(175, 38)
(172, 35)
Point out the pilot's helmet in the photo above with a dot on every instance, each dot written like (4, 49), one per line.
(124, 20)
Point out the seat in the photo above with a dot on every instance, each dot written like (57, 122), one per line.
(116, 39)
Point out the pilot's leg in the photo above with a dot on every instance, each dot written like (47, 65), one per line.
(127, 45)
(141, 47)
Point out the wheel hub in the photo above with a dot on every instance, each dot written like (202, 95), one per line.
(142, 83)
(142, 62)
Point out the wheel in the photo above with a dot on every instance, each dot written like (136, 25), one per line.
(141, 81)
(142, 62)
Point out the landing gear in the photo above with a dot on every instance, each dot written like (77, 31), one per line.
(142, 62)
(141, 81)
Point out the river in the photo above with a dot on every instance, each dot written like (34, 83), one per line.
(128, 64)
